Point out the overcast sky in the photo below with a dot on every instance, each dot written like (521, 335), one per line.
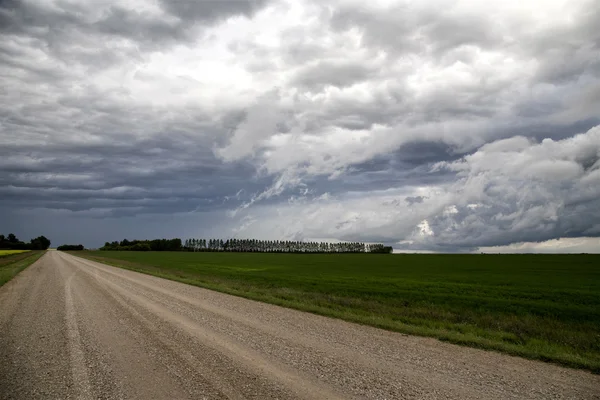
(428, 125)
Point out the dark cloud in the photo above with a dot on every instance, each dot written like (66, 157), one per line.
(119, 21)
(111, 176)
(570, 52)
(410, 200)
(403, 30)
(424, 152)
(211, 10)
(320, 74)
(71, 30)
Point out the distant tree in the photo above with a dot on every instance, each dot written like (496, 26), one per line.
(145, 245)
(379, 248)
(12, 242)
(40, 243)
(70, 247)
(140, 247)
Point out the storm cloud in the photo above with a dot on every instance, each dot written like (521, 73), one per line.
(437, 126)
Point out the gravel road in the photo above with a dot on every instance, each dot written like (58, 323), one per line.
(75, 329)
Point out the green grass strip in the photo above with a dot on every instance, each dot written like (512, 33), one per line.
(12, 264)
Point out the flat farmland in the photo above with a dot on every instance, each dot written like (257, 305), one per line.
(544, 307)
(4, 253)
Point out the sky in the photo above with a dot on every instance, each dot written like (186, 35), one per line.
(444, 126)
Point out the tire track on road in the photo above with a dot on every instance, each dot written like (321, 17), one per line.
(79, 368)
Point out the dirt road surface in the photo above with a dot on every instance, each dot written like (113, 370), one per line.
(75, 329)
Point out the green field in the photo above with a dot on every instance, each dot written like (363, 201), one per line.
(544, 307)
(16, 261)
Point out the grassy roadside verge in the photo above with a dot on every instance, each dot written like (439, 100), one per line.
(12, 264)
(534, 306)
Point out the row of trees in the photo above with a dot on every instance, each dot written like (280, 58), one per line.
(70, 247)
(144, 245)
(282, 246)
(379, 248)
(244, 245)
(11, 242)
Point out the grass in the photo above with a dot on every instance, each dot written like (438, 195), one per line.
(544, 307)
(16, 261)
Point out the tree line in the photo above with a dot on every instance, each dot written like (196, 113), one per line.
(11, 242)
(282, 246)
(245, 246)
(70, 247)
(144, 245)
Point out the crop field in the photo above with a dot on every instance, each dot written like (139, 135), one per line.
(10, 252)
(16, 261)
(544, 307)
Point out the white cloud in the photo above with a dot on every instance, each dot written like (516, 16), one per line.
(561, 245)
